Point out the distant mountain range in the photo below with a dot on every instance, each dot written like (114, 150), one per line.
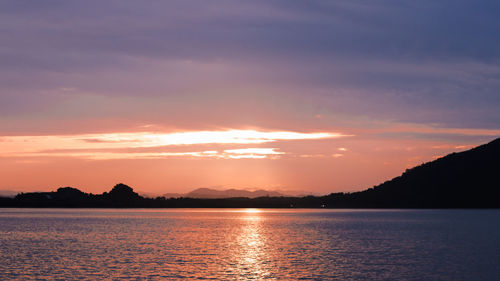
(209, 193)
(8, 193)
(468, 179)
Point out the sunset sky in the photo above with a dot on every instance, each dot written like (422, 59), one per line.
(297, 96)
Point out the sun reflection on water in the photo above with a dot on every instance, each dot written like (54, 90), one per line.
(252, 211)
(250, 256)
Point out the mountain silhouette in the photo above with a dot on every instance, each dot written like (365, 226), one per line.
(466, 179)
(69, 193)
(122, 192)
(230, 193)
(122, 195)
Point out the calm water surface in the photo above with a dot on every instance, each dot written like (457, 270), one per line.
(240, 244)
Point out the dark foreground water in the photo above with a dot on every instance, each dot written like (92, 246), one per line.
(239, 244)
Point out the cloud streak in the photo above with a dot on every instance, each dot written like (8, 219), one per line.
(110, 146)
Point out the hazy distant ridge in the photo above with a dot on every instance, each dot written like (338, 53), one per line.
(210, 193)
(8, 193)
(230, 193)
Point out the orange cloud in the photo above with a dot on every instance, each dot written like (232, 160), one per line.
(107, 146)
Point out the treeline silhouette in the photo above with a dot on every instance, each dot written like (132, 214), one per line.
(123, 196)
(467, 179)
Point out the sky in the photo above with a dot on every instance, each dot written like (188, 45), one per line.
(295, 96)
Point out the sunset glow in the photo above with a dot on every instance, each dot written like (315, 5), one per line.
(110, 146)
(249, 140)
(300, 97)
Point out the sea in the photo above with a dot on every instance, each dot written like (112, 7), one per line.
(249, 244)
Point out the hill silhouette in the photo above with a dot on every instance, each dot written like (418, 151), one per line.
(120, 195)
(465, 179)
(459, 180)
(230, 193)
